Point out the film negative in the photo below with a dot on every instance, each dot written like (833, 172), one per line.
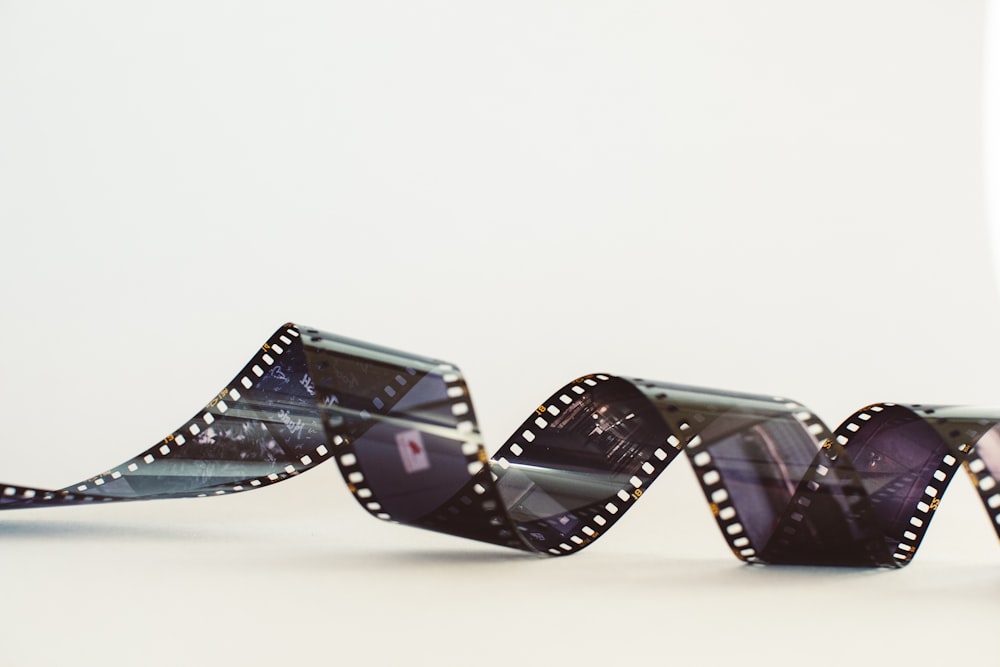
(402, 429)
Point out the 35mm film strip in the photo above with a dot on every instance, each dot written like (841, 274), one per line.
(402, 429)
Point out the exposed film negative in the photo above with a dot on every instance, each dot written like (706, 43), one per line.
(401, 427)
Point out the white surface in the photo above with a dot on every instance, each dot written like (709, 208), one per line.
(775, 197)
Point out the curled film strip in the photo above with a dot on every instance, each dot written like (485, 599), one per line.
(401, 427)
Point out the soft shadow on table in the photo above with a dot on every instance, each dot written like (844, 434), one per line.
(91, 530)
(284, 548)
(646, 569)
(252, 547)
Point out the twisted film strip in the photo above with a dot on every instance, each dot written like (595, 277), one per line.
(401, 427)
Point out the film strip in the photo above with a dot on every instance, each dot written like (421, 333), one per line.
(402, 429)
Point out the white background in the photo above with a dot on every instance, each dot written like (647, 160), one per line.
(776, 197)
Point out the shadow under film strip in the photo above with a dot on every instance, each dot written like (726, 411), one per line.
(401, 427)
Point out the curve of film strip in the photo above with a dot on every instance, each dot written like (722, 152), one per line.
(782, 488)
